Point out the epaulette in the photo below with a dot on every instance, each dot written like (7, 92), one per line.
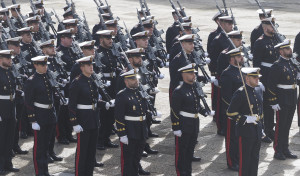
(31, 77)
(241, 88)
(178, 87)
(78, 77)
(178, 55)
(217, 37)
(121, 91)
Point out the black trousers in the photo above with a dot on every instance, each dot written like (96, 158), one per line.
(107, 120)
(221, 122)
(63, 123)
(284, 118)
(85, 152)
(268, 116)
(249, 156)
(298, 109)
(25, 125)
(130, 156)
(40, 149)
(19, 109)
(185, 146)
(7, 130)
(52, 140)
(232, 144)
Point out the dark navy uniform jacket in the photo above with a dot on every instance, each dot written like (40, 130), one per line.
(239, 108)
(171, 33)
(282, 72)
(7, 88)
(39, 90)
(84, 91)
(255, 34)
(264, 51)
(130, 103)
(184, 98)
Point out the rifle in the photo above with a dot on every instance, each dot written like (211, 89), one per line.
(225, 7)
(52, 78)
(108, 8)
(198, 86)
(12, 27)
(87, 28)
(279, 37)
(72, 5)
(101, 86)
(100, 11)
(218, 7)
(181, 9)
(101, 3)
(15, 69)
(131, 42)
(176, 11)
(60, 24)
(235, 28)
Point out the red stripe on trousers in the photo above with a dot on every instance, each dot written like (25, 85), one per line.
(218, 108)
(78, 153)
(122, 159)
(228, 142)
(34, 153)
(241, 156)
(176, 156)
(276, 131)
(57, 131)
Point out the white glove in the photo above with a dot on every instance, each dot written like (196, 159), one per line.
(66, 103)
(156, 90)
(161, 76)
(276, 107)
(124, 139)
(110, 104)
(298, 75)
(22, 94)
(0, 119)
(207, 60)
(212, 113)
(159, 114)
(251, 119)
(250, 56)
(77, 129)
(35, 126)
(168, 56)
(260, 84)
(65, 81)
(167, 64)
(108, 83)
(145, 87)
(214, 80)
(178, 133)
(206, 54)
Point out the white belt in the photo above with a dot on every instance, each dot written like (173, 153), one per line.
(30, 70)
(186, 114)
(44, 106)
(81, 106)
(132, 118)
(109, 75)
(293, 86)
(265, 64)
(7, 97)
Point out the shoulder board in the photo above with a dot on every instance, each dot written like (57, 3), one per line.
(78, 77)
(241, 88)
(31, 77)
(217, 37)
(121, 91)
(178, 55)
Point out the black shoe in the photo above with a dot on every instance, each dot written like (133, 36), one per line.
(72, 139)
(50, 160)
(156, 121)
(63, 141)
(290, 155)
(151, 151)
(221, 132)
(55, 158)
(196, 159)
(145, 154)
(23, 135)
(111, 145)
(143, 172)
(234, 168)
(153, 135)
(19, 151)
(99, 164)
(3, 172)
(266, 139)
(279, 156)
(12, 169)
(101, 147)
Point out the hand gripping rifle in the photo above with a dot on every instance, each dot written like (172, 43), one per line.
(52, 78)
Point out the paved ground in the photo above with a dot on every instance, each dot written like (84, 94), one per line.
(211, 146)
